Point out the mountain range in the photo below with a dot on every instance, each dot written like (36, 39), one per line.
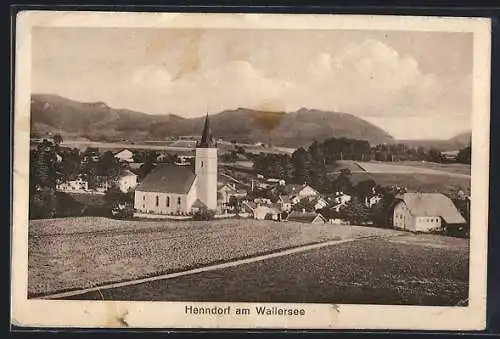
(97, 121)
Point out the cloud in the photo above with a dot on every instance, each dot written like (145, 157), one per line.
(369, 79)
(197, 70)
(372, 79)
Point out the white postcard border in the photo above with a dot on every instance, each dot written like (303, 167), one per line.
(98, 314)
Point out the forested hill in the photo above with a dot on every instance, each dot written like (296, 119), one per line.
(98, 121)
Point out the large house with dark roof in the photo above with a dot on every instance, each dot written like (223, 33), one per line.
(425, 212)
(170, 189)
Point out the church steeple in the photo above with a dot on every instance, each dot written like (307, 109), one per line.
(206, 140)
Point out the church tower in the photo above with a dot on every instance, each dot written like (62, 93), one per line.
(206, 168)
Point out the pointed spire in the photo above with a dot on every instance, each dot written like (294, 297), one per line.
(206, 137)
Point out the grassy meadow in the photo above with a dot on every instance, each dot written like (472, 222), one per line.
(72, 253)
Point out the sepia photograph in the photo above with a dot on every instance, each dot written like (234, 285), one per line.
(239, 170)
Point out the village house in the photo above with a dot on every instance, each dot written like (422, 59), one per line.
(125, 156)
(301, 191)
(285, 202)
(341, 198)
(126, 181)
(306, 217)
(263, 211)
(370, 201)
(450, 155)
(425, 212)
(319, 203)
(227, 191)
(77, 185)
(170, 188)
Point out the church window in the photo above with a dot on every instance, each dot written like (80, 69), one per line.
(157, 200)
(168, 201)
(178, 200)
(144, 197)
(202, 163)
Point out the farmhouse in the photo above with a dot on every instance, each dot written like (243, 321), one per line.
(127, 181)
(227, 191)
(285, 202)
(125, 156)
(304, 217)
(450, 155)
(319, 203)
(302, 191)
(425, 212)
(170, 188)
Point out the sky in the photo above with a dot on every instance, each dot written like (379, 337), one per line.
(414, 85)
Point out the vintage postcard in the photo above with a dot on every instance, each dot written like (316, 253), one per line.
(250, 171)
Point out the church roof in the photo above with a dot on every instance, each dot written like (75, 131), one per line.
(168, 178)
(207, 140)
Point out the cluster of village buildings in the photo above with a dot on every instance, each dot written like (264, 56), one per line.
(178, 190)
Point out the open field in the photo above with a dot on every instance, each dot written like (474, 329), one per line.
(434, 178)
(450, 168)
(72, 253)
(423, 168)
(403, 270)
(415, 182)
(174, 146)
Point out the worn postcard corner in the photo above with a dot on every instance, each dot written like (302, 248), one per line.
(250, 171)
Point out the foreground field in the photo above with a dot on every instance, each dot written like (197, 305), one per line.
(74, 253)
(403, 270)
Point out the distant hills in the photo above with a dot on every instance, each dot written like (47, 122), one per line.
(457, 142)
(98, 121)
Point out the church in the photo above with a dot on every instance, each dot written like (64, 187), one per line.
(173, 189)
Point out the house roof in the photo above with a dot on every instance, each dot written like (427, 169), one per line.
(251, 204)
(123, 150)
(168, 178)
(432, 204)
(135, 165)
(227, 188)
(315, 201)
(293, 188)
(285, 199)
(304, 217)
(126, 172)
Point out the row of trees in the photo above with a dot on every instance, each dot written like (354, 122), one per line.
(51, 164)
(310, 165)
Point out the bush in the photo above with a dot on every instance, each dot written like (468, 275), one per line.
(204, 215)
(124, 213)
(50, 204)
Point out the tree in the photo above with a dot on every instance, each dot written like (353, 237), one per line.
(435, 155)
(464, 155)
(301, 166)
(58, 139)
(108, 166)
(304, 205)
(343, 181)
(44, 166)
(356, 212)
(364, 188)
(234, 203)
(204, 215)
(71, 165)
